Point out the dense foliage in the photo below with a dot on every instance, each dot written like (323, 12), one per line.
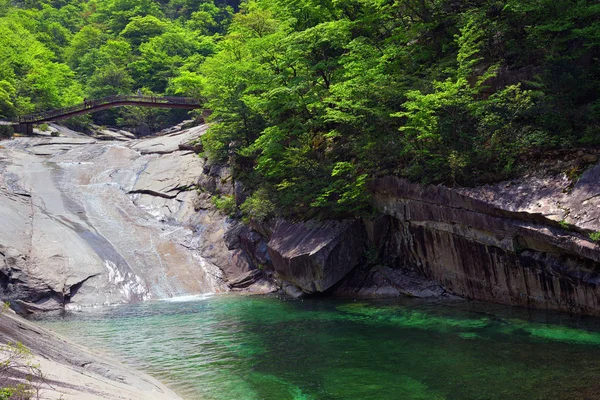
(58, 52)
(315, 98)
(310, 99)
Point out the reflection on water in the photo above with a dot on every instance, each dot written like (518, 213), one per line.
(233, 347)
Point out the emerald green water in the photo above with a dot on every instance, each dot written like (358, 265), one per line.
(234, 347)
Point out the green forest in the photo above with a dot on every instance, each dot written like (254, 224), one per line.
(310, 99)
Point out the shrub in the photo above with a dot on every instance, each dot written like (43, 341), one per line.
(258, 206)
(15, 359)
(565, 225)
(20, 391)
(80, 123)
(44, 127)
(6, 131)
(595, 236)
(225, 204)
(6, 393)
(13, 356)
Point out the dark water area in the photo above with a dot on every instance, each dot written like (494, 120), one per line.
(238, 347)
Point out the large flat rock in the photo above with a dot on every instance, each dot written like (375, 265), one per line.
(48, 145)
(170, 174)
(554, 196)
(169, 143)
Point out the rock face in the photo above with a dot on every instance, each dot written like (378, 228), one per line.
(85, 222)
(555, 197)
(431, 241)
(382, 281)
(314, 256)
(479, 251)
(506, 243)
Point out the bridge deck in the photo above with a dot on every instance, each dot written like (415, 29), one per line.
(110, 102)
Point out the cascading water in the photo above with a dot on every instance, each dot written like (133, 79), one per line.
(84, 238)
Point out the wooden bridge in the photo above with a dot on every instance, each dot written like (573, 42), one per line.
(25, 124)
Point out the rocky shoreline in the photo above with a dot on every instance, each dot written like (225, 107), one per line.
(433, 241)
(524, 243)
(71, 372)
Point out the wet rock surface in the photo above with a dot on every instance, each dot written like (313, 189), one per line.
(88, 222)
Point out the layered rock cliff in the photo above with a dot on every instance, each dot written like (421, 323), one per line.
(477, 250)
(511, 247)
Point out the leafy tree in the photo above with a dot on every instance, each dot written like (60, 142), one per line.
(141, 29)
(109, 80)
(189, 84)
(258, 206)
(311, 99)
(4, 7)
(161, 57)
(88, 38)
(7, 96)
(143, 120)
(210, 19)
(30, 79)
(116, 14)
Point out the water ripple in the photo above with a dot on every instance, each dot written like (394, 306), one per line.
(229, 347)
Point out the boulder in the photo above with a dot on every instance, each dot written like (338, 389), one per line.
(233, 248)
(169, 174)
(216, 179)
(169, 143)
(313, 255)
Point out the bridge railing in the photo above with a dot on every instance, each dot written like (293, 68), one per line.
(94, 103)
